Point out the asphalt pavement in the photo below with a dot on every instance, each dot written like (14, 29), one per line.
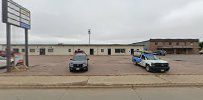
(110, 65)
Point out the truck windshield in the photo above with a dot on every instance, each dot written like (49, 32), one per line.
(152, 57)
(79, 58)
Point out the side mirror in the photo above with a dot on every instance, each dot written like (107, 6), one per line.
(88, 59)
(71, 59)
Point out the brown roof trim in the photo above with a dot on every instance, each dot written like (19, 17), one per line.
(174, 40)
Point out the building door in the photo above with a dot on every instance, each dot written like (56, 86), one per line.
(109, 51)
(132, 51)
(42, 51)
(91, 51)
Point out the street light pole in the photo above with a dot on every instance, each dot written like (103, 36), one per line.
(89, 32)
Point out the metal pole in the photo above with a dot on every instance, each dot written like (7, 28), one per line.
(89, 32)
(26, 48)
(8, 48)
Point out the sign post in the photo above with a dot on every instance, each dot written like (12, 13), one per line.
(8, 48)
(16, 15)
(26, 48)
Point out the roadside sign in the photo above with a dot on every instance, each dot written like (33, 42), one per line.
(15, 14)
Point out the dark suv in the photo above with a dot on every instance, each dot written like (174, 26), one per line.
(79, 62)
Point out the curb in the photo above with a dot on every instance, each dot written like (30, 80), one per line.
(62, 86)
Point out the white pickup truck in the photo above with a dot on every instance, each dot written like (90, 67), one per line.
(151, 63)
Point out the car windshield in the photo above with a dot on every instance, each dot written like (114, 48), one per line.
(79, 58)
(152, 57)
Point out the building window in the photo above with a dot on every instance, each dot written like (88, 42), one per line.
(69, 50)
(32, 50)
(177, 43)
(156, 43)
(119, 50)
(50, 50)
(191, 43)
(170, 43)
(16, 50)
(22, 50)
(102, 50)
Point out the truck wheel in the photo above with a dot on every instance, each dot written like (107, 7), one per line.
(148, 68)
(136, 63)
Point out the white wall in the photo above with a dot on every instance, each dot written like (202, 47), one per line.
(64, 50)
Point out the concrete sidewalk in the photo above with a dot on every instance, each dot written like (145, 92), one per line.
(100, 81)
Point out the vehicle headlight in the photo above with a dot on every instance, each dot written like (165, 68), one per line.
(84, 65)
(152, 64)
(71, 64)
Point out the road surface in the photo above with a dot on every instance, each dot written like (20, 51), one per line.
(192, 93)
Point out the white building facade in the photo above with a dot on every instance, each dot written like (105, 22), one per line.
(69, 49)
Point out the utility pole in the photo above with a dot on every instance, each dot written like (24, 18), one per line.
(89, 32)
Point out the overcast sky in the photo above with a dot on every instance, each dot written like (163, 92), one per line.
(111, 21)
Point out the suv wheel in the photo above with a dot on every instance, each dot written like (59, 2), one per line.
(86, 69)
(148, 69)
(71, 70)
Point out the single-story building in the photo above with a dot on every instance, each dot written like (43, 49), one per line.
(69, 49)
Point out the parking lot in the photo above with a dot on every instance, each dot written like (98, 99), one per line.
(110, 65)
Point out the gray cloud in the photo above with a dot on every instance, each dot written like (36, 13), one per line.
(111, 21)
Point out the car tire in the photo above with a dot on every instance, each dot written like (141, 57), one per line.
(167, 70)
(148, 69)
(136, 63)
(87, 69)
(12, 64)
(71, 70)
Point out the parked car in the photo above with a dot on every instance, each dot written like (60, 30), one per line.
(201, 52)
(151, 63)
(2, 53)
(79, 62)
(160, 52)
(3, 62)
